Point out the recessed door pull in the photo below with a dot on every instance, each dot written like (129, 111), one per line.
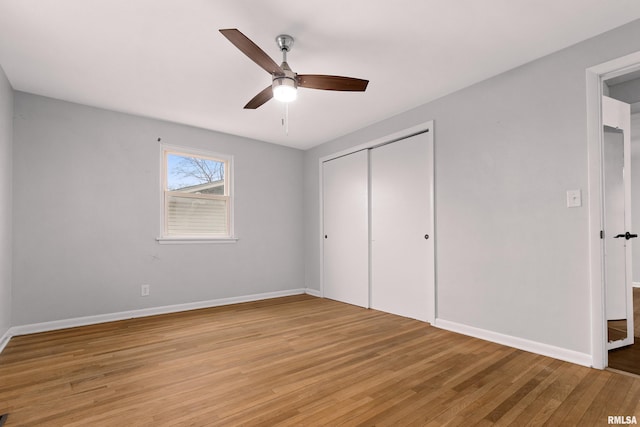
(426, 236)
(626, 235)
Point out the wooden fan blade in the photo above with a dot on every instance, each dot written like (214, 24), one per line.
(260, 98)
(252, 50)
(319, 81)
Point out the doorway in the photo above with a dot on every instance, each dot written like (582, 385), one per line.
(623, 309)
(613, 104)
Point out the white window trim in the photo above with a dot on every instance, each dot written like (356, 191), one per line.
(173, 240)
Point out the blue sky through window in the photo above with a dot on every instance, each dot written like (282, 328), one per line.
(185, 171)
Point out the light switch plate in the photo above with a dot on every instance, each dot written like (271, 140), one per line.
(574, 198)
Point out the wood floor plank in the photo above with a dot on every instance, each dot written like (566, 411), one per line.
(294, 361)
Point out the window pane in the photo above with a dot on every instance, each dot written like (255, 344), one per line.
(195, 175)
(188, 216)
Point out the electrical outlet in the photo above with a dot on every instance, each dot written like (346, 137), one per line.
(144, 290)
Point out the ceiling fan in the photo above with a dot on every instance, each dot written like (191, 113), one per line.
(285, 82)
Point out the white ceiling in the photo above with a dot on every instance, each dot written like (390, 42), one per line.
(166, 59)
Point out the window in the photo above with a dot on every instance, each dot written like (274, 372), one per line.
(196, 192)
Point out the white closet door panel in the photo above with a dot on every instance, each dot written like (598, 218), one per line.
(346, 229)
(401, 256)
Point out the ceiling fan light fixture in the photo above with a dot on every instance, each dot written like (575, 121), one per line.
(285, 89)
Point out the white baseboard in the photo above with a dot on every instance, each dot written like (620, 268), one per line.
(313, 292)
(123, 315)
(519, 343)
(636, 284)
(4, 339)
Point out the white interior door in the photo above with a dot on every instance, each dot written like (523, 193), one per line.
(616, 176)
(402, 270)
(345, 266)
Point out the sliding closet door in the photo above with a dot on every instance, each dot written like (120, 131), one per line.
(345, 227)
(402, 258)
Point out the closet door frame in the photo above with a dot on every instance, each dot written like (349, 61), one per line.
(427, 127)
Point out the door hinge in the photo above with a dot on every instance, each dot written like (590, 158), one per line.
(602, 234)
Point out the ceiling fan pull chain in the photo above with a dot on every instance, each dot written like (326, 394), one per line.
(286, 119)
(282, 120)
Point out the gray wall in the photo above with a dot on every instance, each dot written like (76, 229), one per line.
(86, 215)
(511, 257)
(6, 145)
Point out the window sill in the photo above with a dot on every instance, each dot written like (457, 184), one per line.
(195, 240)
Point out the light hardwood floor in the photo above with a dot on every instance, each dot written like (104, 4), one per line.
(294, 361)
